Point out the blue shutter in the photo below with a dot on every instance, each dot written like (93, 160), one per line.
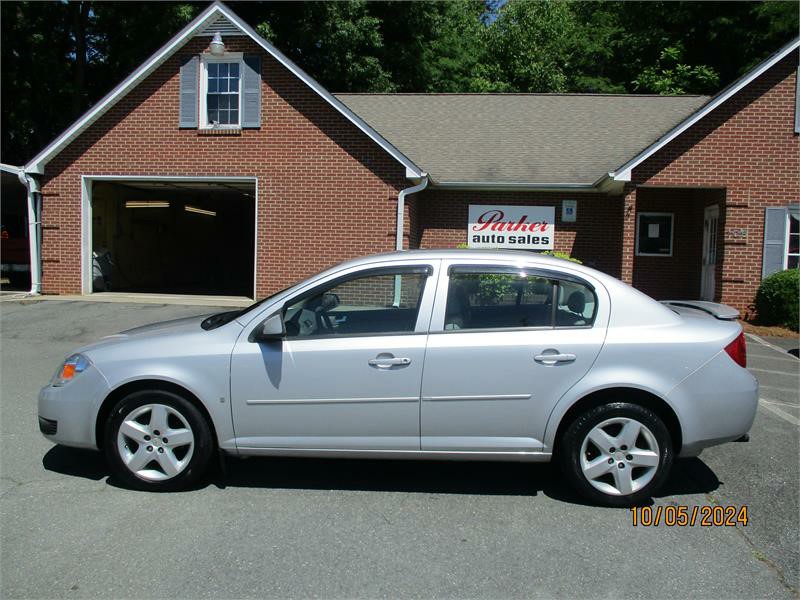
(251, 90)
(774, 241)
(190, 66)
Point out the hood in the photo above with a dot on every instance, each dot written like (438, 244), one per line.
(186, 325)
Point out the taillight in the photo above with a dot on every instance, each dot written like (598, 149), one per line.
(737, 350)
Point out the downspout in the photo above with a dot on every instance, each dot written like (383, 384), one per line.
(401, 208)
(34, 230)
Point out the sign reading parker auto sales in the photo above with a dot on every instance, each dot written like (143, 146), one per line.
(525, 227)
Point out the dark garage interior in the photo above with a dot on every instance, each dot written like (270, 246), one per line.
(14, 242)
(173, 237)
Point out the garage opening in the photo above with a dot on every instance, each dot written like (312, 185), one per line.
(180, 237)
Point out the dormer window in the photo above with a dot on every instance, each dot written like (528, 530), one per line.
(220, 91)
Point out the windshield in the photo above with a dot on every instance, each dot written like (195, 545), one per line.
(220, 319)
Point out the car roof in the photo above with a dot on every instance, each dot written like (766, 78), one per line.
(475, 254)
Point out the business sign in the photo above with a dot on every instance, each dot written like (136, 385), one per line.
(523, 227)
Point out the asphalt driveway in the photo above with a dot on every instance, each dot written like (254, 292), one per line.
(292, 527)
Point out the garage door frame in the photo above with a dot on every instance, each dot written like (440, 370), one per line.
(86, 213)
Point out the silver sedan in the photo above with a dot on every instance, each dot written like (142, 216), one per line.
(446, 355)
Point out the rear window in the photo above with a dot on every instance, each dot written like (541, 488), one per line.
(492, 298)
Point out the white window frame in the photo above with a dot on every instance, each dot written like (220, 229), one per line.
(205, 60)
(787, 235)
(671, 232)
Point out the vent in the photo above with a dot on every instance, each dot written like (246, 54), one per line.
(48, 427)
(220, 24)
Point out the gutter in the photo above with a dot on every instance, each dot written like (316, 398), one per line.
(499, 186)
(401, 208)
(34, 229)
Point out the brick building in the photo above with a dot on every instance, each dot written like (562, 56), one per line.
(220, 167)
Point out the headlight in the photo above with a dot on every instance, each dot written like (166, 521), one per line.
(72, 367)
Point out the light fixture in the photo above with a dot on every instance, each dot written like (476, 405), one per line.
(199, 211)
(146, 204)
(217, 45)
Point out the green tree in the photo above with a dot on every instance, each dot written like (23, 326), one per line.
(671, 76)
(527, 48)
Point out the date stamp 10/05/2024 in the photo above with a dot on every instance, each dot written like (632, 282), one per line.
(689, 516)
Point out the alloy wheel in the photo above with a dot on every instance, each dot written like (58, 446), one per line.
(155, 442)
(619, 456)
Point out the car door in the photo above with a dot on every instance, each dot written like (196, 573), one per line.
(348, 373)
(506, 342)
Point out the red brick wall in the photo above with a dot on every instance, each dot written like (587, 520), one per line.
(326, 192)
(748, 147)
(595, 237)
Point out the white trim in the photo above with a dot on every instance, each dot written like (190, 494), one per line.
(205, 59)
(86, 214)
(671, 232)
(10, 169)
(786, 253)
(212, 12)
(499, 186)
(623, 173)
(710, 212)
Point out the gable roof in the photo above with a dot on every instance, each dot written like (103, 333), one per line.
(520, 140)
(200, 26)
(623, 173)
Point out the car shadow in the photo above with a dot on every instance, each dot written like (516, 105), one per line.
(689, 476)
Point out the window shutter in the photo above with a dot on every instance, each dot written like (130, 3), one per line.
(251, 90)
(190, 67)
(774, 241)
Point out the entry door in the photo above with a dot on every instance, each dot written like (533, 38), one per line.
(496, 367)
(348, 373)
(709, 269)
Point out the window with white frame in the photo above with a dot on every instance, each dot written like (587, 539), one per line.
(220, 97)
(792, 260)
(654, 234)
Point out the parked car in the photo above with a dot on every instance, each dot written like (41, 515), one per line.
(462, 355)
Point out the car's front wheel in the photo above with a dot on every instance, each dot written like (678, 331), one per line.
(159, 441)
(617, 454)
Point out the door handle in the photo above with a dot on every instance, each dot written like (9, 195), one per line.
(551, 359)
(385, 362)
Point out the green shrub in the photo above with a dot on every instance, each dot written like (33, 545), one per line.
(563, 255)
(777, 299)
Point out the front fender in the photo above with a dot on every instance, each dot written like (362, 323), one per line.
(203, 370)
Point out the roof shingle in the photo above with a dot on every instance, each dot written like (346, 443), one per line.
(520, 138)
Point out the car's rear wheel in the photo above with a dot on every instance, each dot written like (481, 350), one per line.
(617, 454)
(159, 441)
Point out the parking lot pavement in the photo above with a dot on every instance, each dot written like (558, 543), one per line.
(292, 528)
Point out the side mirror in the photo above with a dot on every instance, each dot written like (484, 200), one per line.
(271, 330)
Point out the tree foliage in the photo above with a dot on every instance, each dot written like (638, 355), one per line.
(59, 58)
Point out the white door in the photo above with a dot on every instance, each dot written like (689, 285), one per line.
(709, 270)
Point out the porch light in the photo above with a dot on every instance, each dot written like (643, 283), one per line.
(217, 45)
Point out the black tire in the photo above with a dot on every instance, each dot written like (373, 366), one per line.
(202, 449)
(570, 447)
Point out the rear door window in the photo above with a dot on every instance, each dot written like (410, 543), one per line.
(506, 298)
